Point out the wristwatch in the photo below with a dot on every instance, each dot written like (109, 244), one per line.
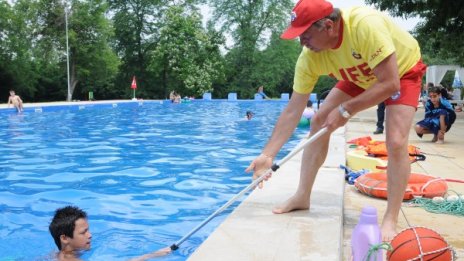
(345, 114)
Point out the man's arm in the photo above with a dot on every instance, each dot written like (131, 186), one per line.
(10, 101)
(286, 123)
(158, 253)
(388, 83)
(284, 127)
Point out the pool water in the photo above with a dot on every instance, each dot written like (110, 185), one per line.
(145, 174)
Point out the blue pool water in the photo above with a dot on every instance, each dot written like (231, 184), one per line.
(145, 174)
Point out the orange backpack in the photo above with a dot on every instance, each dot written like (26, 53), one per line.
(379, 150)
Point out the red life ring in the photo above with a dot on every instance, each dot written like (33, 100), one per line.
(375, 185)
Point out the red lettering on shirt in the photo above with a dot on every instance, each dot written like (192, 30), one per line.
(351, 72)
(365, 69)
(343, 74)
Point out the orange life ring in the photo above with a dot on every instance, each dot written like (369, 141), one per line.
(375, 185)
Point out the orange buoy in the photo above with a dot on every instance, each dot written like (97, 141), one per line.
(419, 243)
(375, 185)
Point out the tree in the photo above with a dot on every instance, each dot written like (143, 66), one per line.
(187, 56)
(275, 66)
(17, 70)
(250, 23)
(443, 25)
(136, 24)
(93, 63)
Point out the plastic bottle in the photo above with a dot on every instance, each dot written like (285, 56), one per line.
(365, 234)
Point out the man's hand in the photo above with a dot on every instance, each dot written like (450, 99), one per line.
(259, 166)
(334, 120)
(158, 253)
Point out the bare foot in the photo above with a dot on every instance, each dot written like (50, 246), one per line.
(388, 231)
(439, 141)
(435, 138)
(293, 203)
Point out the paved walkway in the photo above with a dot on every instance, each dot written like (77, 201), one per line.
(252, 232)
(443, 160)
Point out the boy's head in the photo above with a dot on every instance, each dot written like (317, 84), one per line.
(12, 92)
(309, 103)
(434, 94)
(70, 230)
(249, 115)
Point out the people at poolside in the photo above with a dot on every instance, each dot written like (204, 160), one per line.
(309, 111)
(16, 101)
(445, 94)
(387, 68)
(175, 97)
(71, 233)
(424, 96)
(380, 118)
(439, 116)
(261, 92)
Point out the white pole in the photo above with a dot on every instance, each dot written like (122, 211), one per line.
(68, 98)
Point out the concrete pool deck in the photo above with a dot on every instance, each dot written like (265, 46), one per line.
(253, 232)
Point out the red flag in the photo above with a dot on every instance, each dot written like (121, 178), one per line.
(134, 83)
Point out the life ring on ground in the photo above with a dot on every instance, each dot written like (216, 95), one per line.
(375, 185)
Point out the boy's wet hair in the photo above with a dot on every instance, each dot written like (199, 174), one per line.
(249, 113)
(309, 103)
(64, 222)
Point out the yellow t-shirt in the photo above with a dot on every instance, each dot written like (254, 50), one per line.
(369, 37)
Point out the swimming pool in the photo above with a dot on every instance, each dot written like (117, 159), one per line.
(145, 174)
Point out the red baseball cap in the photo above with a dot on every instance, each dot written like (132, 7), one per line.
(304, 14)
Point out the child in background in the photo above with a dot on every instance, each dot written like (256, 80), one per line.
(439, 116)
(249, 115)
(261, 92)
(16, 101)
(308, 112)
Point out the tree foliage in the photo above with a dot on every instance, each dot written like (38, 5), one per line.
(164, 43)
(250, 23)
(442, 29)
(187, 56)
(17, 70)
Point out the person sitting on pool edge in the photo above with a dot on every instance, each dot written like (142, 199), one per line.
(71, 233)
(16, 101)
(261, 92)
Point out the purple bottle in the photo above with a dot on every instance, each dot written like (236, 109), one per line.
(365, 234)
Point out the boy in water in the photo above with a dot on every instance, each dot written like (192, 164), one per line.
(70, 230)
(16, 101)
(249, 115)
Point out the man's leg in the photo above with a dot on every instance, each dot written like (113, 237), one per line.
(399, 120)
(313, 156)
